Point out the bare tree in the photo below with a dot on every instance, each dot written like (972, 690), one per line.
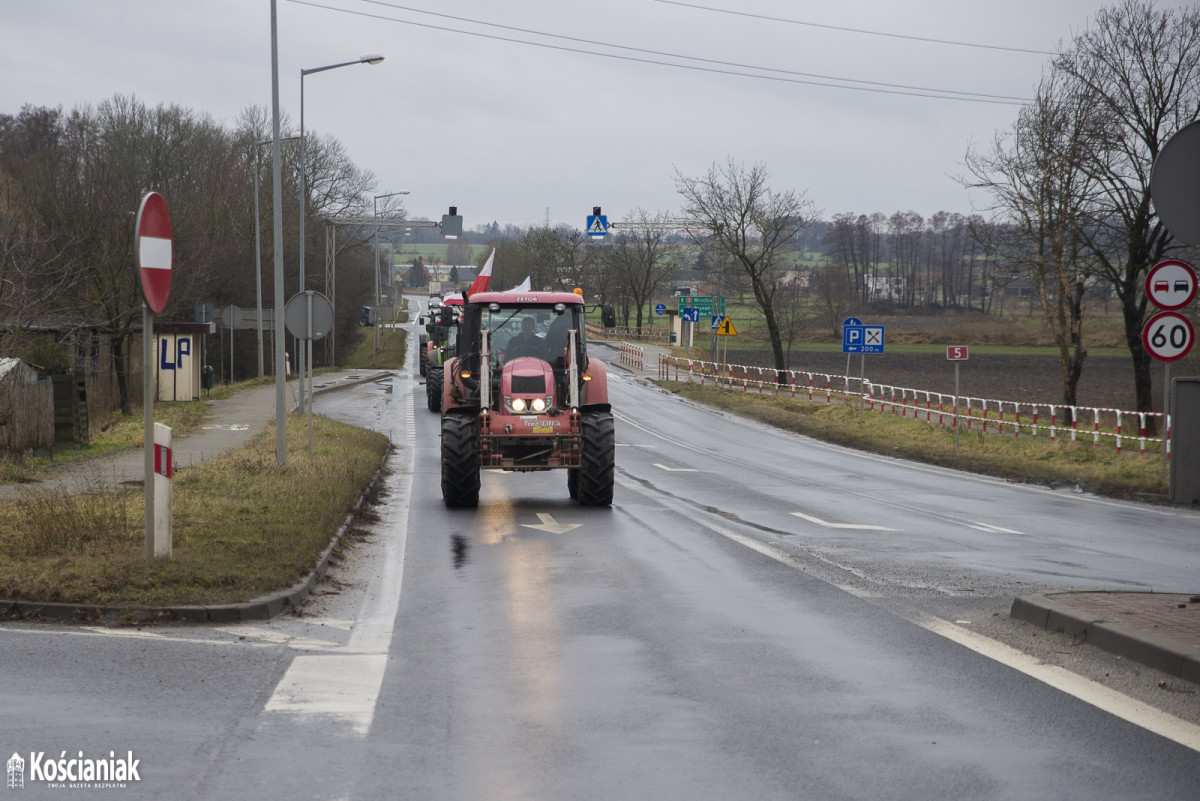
(1141, 65)
(1044, 197)
(643, 259)
(906, 247)
(737, 210)
(37, 270)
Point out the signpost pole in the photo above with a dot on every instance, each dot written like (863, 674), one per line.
(148, 426)
(956, 428)
(154, 257)
(862, 375)
(308, 325)
(1166, 413)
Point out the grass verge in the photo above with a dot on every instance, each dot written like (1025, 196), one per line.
(1037, 460)
(243, 526)
(391, 353)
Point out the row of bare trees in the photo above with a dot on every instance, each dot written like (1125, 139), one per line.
(1070, 181)
(70, 186)
(909, 261)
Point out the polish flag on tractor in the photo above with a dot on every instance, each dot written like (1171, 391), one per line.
(481, 283)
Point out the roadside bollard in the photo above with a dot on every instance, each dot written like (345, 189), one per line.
(163, 471)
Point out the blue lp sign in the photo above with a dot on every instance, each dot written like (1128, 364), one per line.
(862, 339)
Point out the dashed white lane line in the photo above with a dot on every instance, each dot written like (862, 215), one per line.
(1086, 690)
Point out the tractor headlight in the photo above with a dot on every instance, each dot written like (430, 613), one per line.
(539, 405)
(518, 405)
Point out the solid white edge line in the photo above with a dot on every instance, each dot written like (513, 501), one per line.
(1086, 690)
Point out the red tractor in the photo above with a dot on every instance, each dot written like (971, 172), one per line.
(521, 394)
(442, 330)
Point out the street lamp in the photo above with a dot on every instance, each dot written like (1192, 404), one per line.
(375, 303)
(366, 58)
(258, 250)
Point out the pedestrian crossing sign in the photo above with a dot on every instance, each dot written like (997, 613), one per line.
(725, 328)
(597, 224)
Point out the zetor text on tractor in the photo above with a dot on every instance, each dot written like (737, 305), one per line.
(522, 394)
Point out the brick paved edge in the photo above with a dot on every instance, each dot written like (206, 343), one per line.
(261, 608)
(1144, 647)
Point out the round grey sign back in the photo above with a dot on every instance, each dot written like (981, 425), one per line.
(295, 315)
(1175, 184)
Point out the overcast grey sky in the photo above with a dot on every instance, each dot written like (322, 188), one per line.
(461, 114)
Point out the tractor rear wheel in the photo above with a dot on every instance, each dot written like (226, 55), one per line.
(460, 460)
(597, 459)
(421, 352)
(433, 389)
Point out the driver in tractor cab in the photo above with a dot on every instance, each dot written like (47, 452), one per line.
(526, 343)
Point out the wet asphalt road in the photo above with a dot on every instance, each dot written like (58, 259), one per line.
(751, 619)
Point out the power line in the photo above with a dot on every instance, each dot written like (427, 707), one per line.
(870, 86)
(665, 54)
(857, 30)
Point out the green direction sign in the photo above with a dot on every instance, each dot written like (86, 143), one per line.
(707, 305)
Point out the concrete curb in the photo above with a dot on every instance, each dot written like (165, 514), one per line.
(262, 608)
(1144, 647)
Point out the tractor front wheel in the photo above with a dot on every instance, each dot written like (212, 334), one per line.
(597, 459)
(433, 389)
(460, 460)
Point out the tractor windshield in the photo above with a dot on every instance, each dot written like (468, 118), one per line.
(528, 330)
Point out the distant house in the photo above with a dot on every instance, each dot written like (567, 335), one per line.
(26, 408)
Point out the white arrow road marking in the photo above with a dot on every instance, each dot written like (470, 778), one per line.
(990, 529)
(1086, 690)
(551, 525)
(827, 524)
(676, 469)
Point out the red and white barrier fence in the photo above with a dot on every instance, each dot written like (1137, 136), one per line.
(986, 415)
(632, 356)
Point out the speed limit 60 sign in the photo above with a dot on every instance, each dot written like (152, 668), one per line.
(1168, 336)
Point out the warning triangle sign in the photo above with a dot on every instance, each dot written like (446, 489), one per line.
(725, 328)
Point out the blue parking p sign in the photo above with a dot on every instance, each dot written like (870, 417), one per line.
(862, 339)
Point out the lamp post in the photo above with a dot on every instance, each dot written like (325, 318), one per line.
(367, 58)
(258, 251)
(375, 302)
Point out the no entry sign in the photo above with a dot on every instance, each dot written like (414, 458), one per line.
(153, 249)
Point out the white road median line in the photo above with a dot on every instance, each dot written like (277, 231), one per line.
(342, 685)
(1090, 692)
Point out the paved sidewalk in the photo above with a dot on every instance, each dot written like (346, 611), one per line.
(1159, 630)
(232, 423)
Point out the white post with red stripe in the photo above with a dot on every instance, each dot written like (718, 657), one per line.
(163, 472)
